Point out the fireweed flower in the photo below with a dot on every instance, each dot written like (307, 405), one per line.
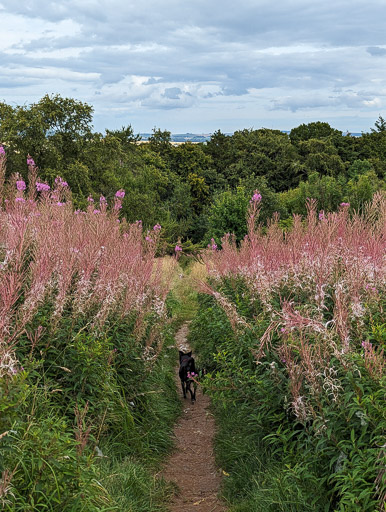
(177, 248)
(256, 198)
(96, 211)
(157, 227)
(2, 151)
(212, 245)
(90, 199)
(321, 215)
(102, 200)
(120, 194)
(42, 187)
(20, 199)
(20, 185)
(344, 205)
(30, 161)
(148, 239)
(60, 182)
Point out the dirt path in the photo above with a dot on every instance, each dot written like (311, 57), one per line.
(191, 466)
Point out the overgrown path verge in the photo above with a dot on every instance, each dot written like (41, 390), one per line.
(191, 466)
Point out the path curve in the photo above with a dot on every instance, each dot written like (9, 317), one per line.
(191, 466)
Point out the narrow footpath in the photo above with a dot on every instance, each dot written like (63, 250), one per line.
(191, 465)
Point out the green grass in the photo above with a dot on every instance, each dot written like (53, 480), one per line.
(257, 481)
(133, 488)
(182, 300)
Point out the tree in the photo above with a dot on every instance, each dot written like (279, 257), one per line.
(53, 131)
(315, 130)
(360, 189)
(126, 137)
(327, 190)
(160, 142)
(228, 213)
(267, 153)
(359, 167)
(321, 156)
(380, 125)
(221, 149)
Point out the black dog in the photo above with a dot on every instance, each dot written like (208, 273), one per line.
(188, 374)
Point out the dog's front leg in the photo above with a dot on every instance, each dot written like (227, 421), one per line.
(183, 388)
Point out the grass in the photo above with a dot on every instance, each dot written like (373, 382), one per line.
(257, 481)
(133, 487)
(182, 299)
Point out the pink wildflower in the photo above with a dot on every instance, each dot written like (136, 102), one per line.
(20, 185)
(42, 187)
(30, 161)
(2, 151)
(20, 199)
(96, 211)
(212, 245)
(120, 194)
(178, 248)
(256, 198)
(102, 199)
(90, 199)
(344, 205)
(157, 227)
(148, 239)
(321, 215)
(59, 181)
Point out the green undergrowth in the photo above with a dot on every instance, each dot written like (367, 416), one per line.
(272, 461)
(182, 299)
(87, 420)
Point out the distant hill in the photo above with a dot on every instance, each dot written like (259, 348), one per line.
(183, 137)
(204, 137)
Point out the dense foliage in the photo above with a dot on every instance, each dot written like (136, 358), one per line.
(292, 331)
(87, 396)
(184, 188)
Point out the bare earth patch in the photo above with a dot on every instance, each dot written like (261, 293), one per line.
(192, 466)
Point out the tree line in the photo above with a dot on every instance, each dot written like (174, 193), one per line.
(195, 191)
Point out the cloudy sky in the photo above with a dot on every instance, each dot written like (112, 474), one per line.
(199, 65)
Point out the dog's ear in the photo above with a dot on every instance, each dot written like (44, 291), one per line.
(181, 353)
(189, 354)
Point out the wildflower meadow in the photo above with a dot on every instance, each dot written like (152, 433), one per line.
(87, 396)
(288, 328)
(291, 327)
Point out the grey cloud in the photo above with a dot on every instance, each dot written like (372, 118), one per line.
(173, 93)
(260, 23)
(376, 51)
(349, 99)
